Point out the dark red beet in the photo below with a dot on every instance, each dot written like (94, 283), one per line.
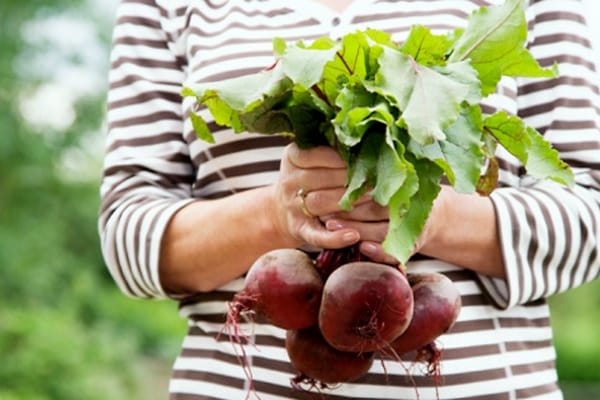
(437, 304)
(320, 364)
(365, 306)
(284, 287)
(328, 260)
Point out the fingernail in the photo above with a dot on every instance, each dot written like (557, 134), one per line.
(369, 248)
(351, 236)
(334, 225)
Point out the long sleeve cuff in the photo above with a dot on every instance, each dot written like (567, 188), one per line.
(131, 242)
(549, 239)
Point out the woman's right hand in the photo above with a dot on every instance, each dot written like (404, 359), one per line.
(310, 185)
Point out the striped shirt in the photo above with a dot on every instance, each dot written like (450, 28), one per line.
(501, 346)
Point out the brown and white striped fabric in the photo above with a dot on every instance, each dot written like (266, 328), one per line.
(501, 346)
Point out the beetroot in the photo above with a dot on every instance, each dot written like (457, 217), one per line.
(320, 364)
(284, 287)
(329, 260)
(365, 306)
(340, 312)
(437, 304)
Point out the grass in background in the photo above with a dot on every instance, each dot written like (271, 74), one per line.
(576, 324)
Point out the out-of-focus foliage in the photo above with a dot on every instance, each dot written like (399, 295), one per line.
(66, 333)
(576, 321)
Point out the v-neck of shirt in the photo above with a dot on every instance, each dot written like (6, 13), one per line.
(336, 21)
(331, 9)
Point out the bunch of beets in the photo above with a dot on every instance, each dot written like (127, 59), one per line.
(341, 310)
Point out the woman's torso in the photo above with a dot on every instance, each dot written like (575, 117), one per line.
(489, 354)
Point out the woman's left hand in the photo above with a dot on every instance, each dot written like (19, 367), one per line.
(461, 229)
(371, 220)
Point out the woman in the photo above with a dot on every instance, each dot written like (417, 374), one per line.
(184, 219)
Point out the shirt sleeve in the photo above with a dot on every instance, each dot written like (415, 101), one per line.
(147, 172)
(549, 233)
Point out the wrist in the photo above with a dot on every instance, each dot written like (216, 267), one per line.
(463, 231)
(434, 235)
(274, 228)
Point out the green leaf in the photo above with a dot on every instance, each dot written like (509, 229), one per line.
(306, 125)
(355, 106)
(227, 99)
(489, 179)
(202, 130)
(540, 159)
(376, 37)
(362, 170)
(311, 99)
(425, 47)
(417, 90)
(377, 41)
(349, 65)
(544, 161)
(462, 149)
(280, 114)
(242, 93)
(279, 46)
(361, 111)
(187, 91)
(460, 155)
(494, 43)
(221, 111)
(392, 172)
(304, 66)
(354, 55)
(410, 207)
(466, 76)
(510, 132)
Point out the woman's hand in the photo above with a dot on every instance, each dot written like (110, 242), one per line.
(461, 229)
(310, 185)
(233, 231)
(370, 220)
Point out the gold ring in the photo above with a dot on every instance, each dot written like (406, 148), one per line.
(301, 193)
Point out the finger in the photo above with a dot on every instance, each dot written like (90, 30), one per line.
(323, 202)
(314, 234)
(316, 157)
(375, 252)
(367, 211)
(369, 231)
(318, 179)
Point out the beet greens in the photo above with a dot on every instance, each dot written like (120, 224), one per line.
(403, 116)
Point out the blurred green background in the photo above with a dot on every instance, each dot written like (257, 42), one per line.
(66, 333)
